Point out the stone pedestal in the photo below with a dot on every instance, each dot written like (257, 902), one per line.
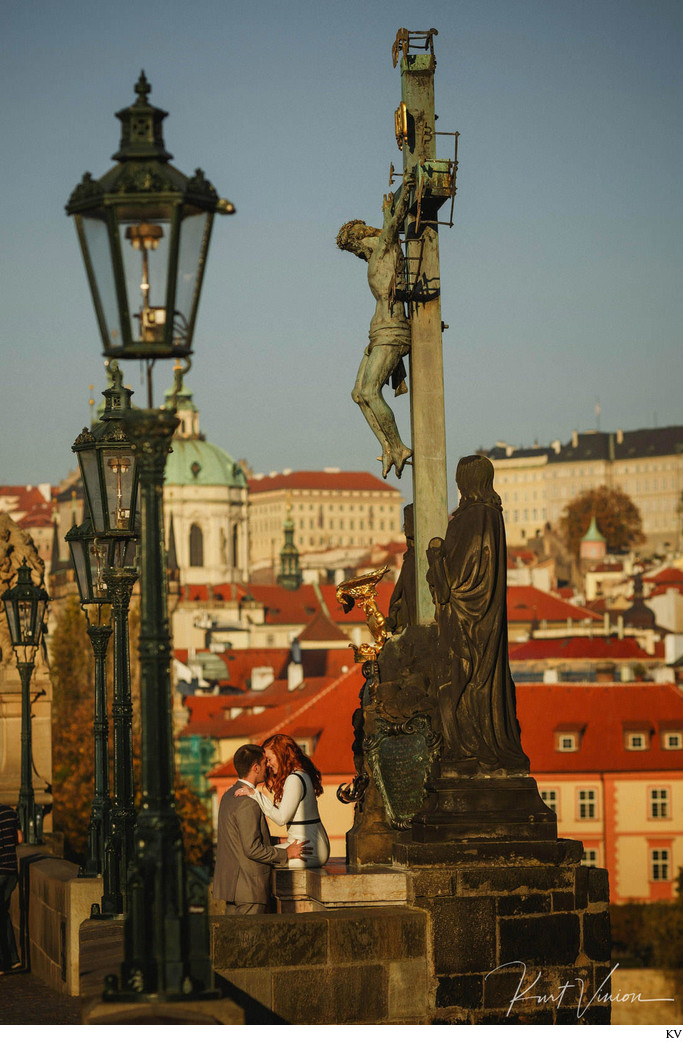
(484, 808)
(370, 840)
(519, 931)
(338, 886)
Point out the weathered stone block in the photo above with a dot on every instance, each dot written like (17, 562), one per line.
(515, 905)
(407, 989)
(464, 934)
(562, 901)
(554, 939)
(581, 887)
(597, 937)
(266, 941)
(332, 996)
(460, 990)
(510, 879)
(598, 885)
(385, 934)
(433, 883)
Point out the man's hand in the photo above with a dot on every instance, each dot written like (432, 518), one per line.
(298, 849)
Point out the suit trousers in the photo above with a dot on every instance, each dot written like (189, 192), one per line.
(244, 908)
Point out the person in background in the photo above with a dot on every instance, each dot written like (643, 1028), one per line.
(10, 836)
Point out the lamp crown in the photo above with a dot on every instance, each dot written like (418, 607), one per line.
(116, 396)
(141, 133)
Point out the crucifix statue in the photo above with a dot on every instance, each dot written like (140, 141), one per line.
(413, 279)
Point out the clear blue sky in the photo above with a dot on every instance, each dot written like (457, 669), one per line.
(562, 280)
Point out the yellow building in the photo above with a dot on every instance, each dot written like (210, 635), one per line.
(329, 508)
(536, 484)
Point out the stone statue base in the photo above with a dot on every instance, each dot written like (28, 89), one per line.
(482, 809)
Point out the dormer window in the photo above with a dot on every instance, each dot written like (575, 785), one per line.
(568, 737)
(637, 735)
(671, 735)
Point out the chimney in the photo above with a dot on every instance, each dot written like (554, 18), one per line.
(606, 618)
(620, 627)
(261, 677)
(575, 439)
(620, 436)
(295, 675)
(556, 445)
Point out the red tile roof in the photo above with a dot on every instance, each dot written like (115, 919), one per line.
(598, 647)
(667, 577)
(322, 630)
(354, 480)
(603, 709)
(526, 604)
(20, 499)
(285, 606)
(326, 714)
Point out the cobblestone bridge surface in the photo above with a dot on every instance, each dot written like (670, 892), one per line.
(26, 1000)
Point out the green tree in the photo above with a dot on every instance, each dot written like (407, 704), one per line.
(73, 680)
(617, 517)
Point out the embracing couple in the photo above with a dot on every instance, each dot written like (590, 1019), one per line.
(245, 856)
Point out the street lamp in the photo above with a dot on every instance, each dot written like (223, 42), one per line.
(103, 552)
(144, 230)
(88, 555)
(25, 605)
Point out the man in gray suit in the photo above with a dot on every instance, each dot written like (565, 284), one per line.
(245, 856)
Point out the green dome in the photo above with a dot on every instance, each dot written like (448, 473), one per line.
(196, 462)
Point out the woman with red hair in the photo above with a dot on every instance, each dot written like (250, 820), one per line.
(295, 783)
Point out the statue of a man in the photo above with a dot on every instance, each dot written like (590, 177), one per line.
(468, 579)
(389, 329)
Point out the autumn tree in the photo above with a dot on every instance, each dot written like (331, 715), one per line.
(616, 515)
(73, 680)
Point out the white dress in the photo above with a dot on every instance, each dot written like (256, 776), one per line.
(298, 810)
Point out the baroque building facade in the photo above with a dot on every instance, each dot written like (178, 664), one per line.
(536, 484)
(205, 505)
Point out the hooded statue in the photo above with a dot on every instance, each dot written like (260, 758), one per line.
(467, 576)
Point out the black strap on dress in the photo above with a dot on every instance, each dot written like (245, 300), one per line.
(302, 821)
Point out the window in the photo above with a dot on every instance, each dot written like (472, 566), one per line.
(587, 803)
(196, 546)
(659, 803)
(567, 743)
(659, 863)
(672, 740)
(590, 856)
(549, 797)
(636, 740)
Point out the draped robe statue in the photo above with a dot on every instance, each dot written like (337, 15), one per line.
(467, 576)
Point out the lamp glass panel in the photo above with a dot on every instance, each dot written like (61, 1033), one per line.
(97, 239)
(194, 241)
(13, 621)
(145, 241)
(26, 610)
(78, 559)
(118, 466)
(87, 458)
(98, 558)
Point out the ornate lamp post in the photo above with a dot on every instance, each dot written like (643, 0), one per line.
(110, 479)
(25, 605)
(89, 556)
(144, 230)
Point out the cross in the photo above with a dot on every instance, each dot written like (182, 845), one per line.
(434, 182)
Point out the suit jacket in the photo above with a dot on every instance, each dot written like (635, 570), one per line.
(244, 856)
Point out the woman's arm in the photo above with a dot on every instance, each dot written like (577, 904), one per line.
(292, 795)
